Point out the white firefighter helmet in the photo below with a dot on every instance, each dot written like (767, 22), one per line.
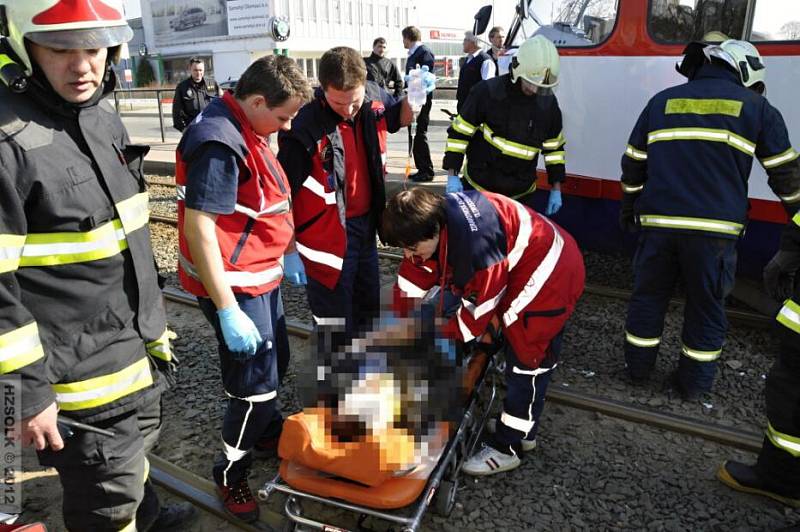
(744, 58)
(64, 25)
(536, 62)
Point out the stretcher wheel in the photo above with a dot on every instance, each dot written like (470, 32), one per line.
(445, 499)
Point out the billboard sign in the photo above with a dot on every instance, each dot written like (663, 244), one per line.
(181, 21)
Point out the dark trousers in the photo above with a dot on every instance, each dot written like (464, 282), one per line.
(251, 385)
(708, 268)
(524, 402)
(351, 305)
(779, 460)
(103, 478)
(419, 146)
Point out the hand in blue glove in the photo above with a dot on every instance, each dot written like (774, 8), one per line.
(429, 78)
(454, 184)
(240, 333)
(553, 202)
(293, 269)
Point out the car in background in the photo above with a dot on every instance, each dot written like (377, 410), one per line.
(189, 18)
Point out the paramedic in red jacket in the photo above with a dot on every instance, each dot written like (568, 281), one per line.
(335, 157)
(234, 228)
(503, 261)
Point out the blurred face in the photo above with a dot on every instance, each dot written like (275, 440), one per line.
(497, 39)
(197, 70)
(421, 251)
(266, 121)
(407, 43)
(74, 74)
(345, 103)
(379, 49)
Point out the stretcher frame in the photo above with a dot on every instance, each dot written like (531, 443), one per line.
(441, 485)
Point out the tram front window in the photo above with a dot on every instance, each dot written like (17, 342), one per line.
(569, 22)
(681, 21)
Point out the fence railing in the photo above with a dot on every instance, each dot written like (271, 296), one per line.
(445, 93)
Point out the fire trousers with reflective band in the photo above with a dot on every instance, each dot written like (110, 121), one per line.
(779, 459)
(524, 402)
(353, 302)
(105, 478)
(707, 266)
(251, 385)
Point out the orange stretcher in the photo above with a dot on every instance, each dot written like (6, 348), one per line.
(385, 475)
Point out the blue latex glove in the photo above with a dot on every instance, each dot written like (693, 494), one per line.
(240, 333)
(429, 78)
(454, 184)
(553, 202)
(293, 269)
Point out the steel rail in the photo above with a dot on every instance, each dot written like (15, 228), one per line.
(731, 437)
(742, 317)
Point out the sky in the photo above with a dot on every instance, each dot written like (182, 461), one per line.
(444, 13)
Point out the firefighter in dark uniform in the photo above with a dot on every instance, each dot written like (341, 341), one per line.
(776, 473)
(504, 125)
(82, 324)
(192, 95)
(684, 183)
(234, 227)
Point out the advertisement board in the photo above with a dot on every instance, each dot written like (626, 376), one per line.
(180, 21)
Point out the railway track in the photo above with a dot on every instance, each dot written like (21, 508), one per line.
(741, 317)
(202, 492)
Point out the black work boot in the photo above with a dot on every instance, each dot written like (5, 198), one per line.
(176, 516)
(745, 478)
(687, 393)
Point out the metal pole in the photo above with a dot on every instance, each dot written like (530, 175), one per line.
(161, 116)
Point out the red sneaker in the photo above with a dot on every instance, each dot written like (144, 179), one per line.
(239, 501)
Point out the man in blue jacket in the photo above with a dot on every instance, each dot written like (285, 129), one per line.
(684, 183)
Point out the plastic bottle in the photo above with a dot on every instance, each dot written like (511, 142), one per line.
(417, 95)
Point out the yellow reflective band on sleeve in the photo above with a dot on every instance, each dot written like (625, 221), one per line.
(638, 341)
(790, 444)
(782, 158)
(464, 127)
(134, 212)
(796, 218)
(557, 157)
(633, 153)
(130, 527)
(102, 390)
(701, 356)
(10, 252)
(693, 224)
(20, 347)
(457, 146)
(161, 348)
(698, 133)
(703, 107)
(789, 316)
(52, 249)
(628, 189)
(554, 144)
(508, 147)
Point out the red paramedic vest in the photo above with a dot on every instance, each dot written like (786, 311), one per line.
(253, 238)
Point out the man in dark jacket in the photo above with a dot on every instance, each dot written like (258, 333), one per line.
(382, 70)
(478, 65)
(419, 55)
(83, 333)
(192, 95)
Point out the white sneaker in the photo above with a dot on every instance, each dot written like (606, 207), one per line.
(527, 445)
(490, 461)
